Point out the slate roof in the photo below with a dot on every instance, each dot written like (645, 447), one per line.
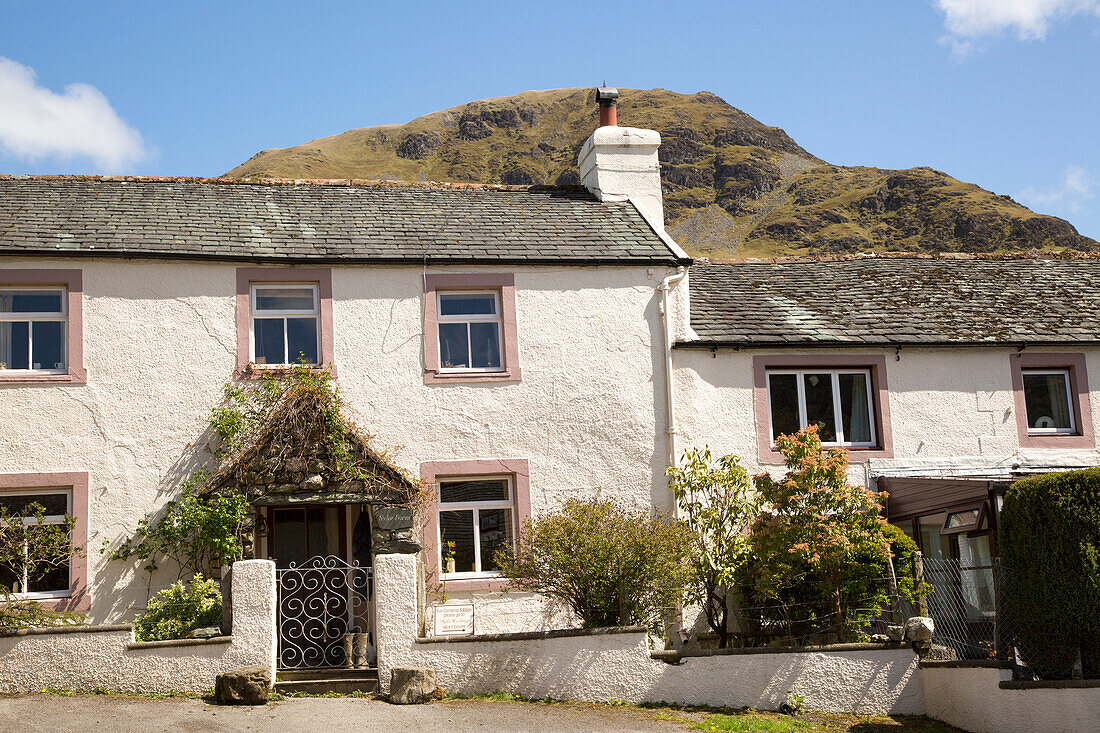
(370, 222)
(892, 300)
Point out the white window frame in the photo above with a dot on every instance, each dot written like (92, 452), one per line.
(476, 506)
(469, 319)
(61, 317)
(834, 374)
(47, 519)
(253, 314)
(1070, 402)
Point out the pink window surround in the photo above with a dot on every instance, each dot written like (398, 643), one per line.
(504, 284)
(879, 394)
(249, 276)
(80, 598)
(1079, 399)
(72, 280)
(433, 471)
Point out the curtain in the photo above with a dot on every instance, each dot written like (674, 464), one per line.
(860, 430)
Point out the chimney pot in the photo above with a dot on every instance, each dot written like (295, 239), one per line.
(606, 96)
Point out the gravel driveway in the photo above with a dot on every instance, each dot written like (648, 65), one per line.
(109, 713)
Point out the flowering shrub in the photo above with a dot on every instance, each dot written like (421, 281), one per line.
(820, 545)
(178, 610)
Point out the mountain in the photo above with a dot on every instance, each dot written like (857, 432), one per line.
(733, 186)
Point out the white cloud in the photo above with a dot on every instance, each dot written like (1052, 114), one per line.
(37, 123)
(1075, 188)
(1028, 19)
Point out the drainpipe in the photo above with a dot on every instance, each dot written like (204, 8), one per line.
(670, 403)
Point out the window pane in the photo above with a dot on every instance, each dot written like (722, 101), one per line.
(855, 408)
(453, 349)
(15, 344)
(284, 299)
(17, 504)
(968, 518)
(301, 336)
(496, 534)
(477, 490)
(458, 527)
(783, 396)
(1046, 399)
(269, 341)
(10, 580)
(32, 301)
(49, 348)
(485, 343)
(467, 305)
(819, 405)
(42, 579)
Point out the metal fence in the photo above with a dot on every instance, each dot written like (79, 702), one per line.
(963, 606)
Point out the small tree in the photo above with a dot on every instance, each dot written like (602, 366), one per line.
(813, 525)
(610, 565)
(718, 504)
(30, 548)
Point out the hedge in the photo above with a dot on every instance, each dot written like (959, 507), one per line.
(1050, 549)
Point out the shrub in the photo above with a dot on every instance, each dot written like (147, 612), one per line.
(717, 503)
(610, 565)
(1050, 547)
(820, 544)
(28, 544)
(178, 610)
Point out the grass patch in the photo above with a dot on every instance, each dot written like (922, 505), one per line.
(101, 690)
(751, 723)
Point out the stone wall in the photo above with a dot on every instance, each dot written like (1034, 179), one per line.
(617, 664)
(83, 657)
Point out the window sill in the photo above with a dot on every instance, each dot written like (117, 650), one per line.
(259, 371)
(47, 378)
(475, 584)
(81, 602)
(773, 456)
(437, 377)
(1063, 441)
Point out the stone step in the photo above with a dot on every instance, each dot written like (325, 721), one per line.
(326, 674)
(321, 686)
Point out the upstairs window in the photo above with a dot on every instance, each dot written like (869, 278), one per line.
(24, 579)
(475, 522)
(839, 400)
(469, 332)
(1048, 401)
(285, 324)
(32, 330)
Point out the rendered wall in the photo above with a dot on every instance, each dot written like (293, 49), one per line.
(971, 698)
(82, 660)
(618, 666)
(160, 342)
(950, 409)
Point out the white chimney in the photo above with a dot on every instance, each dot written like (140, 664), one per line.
(620, 163)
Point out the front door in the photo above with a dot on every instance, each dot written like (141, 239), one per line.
(322, 559)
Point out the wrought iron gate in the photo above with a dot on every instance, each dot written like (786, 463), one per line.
(319, 603)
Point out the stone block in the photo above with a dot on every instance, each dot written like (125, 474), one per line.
(243, 686)
(411, 685)
(919, 628)
(895, 632)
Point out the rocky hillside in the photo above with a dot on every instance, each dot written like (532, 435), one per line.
(733, 186)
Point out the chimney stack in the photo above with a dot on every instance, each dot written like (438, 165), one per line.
(620, 163)
(606, 96)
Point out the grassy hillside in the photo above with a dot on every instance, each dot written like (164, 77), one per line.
(733, 186)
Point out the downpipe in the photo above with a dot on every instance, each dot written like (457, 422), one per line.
(670, 396)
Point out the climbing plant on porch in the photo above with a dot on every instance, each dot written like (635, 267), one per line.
(285, 433)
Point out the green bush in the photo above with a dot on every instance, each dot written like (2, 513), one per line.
(178, 610)
(610, 565)
(1050, 547)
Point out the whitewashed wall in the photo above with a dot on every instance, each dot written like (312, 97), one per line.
(949, 408)
(618, 666)
(971, 698)
(160, 342)
(82, 658)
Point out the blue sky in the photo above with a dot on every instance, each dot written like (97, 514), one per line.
(998, 92)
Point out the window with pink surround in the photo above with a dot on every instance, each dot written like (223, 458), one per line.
(41, 326)
(470, 332)
(1051, 396)
(477, 508)
(284, 317)
(63, 588)
(845, 394)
